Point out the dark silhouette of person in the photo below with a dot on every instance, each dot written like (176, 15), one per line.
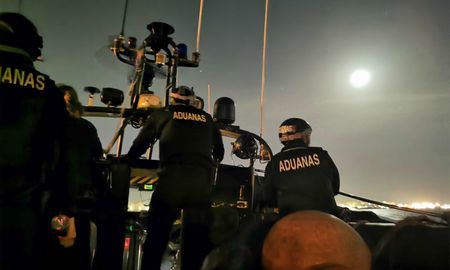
(83, 148)
(32, 125)
(189, 145)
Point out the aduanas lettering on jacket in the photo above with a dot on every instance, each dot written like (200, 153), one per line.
(297, 163)
(189, 116)
(15, 76)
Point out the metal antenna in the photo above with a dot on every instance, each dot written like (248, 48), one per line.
(19, 6)
(200, 13)
(209, 98)
(263, 75)
(124, 18)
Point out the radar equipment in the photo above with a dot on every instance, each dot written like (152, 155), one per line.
(156, 51)
(224, 116)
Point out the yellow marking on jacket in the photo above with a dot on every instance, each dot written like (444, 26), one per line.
(189, 116)
(297, 163)
(15, 76)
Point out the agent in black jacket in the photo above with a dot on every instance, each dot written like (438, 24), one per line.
(32, 122)
(189, 146)
(301, 177)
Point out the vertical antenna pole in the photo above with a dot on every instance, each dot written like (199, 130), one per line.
(124, 18)
(263, 70)
(200, 13)
(209, 98)
(19, 7)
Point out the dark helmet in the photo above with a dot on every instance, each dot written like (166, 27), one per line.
(245, 147)
(183, 94)
(18, 31)
(293, 129)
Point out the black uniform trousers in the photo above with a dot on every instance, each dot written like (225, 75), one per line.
(179, 187)
(19, 237)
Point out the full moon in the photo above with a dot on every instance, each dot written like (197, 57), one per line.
(360, 78)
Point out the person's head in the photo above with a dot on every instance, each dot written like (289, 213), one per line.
(313, 240)
(182, 95)
(294, 130)
(73, 104)
(20, 34)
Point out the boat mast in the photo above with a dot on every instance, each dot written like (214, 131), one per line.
(263, 70)
(124, 18)
(199, 27)
(209, 98)
(19, 6)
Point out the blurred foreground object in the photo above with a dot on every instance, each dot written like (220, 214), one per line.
(310, 240)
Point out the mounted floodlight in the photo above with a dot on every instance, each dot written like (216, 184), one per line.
(224, 111)
(148, 100)
(132, 42)
(245, 147)
(92, 91)
(158, 39)
(111, 96)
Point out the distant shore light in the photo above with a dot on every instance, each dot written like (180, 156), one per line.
(360, 78)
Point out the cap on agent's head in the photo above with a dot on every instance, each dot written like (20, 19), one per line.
(294, 129)
(183, 94)
(18, 31)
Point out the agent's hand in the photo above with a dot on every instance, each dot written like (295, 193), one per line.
(68, 240)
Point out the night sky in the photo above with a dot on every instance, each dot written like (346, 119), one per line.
(390, 140)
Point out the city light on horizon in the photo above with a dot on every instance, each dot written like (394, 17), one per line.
(412, 205)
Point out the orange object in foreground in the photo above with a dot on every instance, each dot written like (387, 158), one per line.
(312, 240)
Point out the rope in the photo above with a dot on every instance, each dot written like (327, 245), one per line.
(263, 70)
(200, 13)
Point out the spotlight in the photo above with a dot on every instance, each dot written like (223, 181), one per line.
(111, 96)
(245, 147)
